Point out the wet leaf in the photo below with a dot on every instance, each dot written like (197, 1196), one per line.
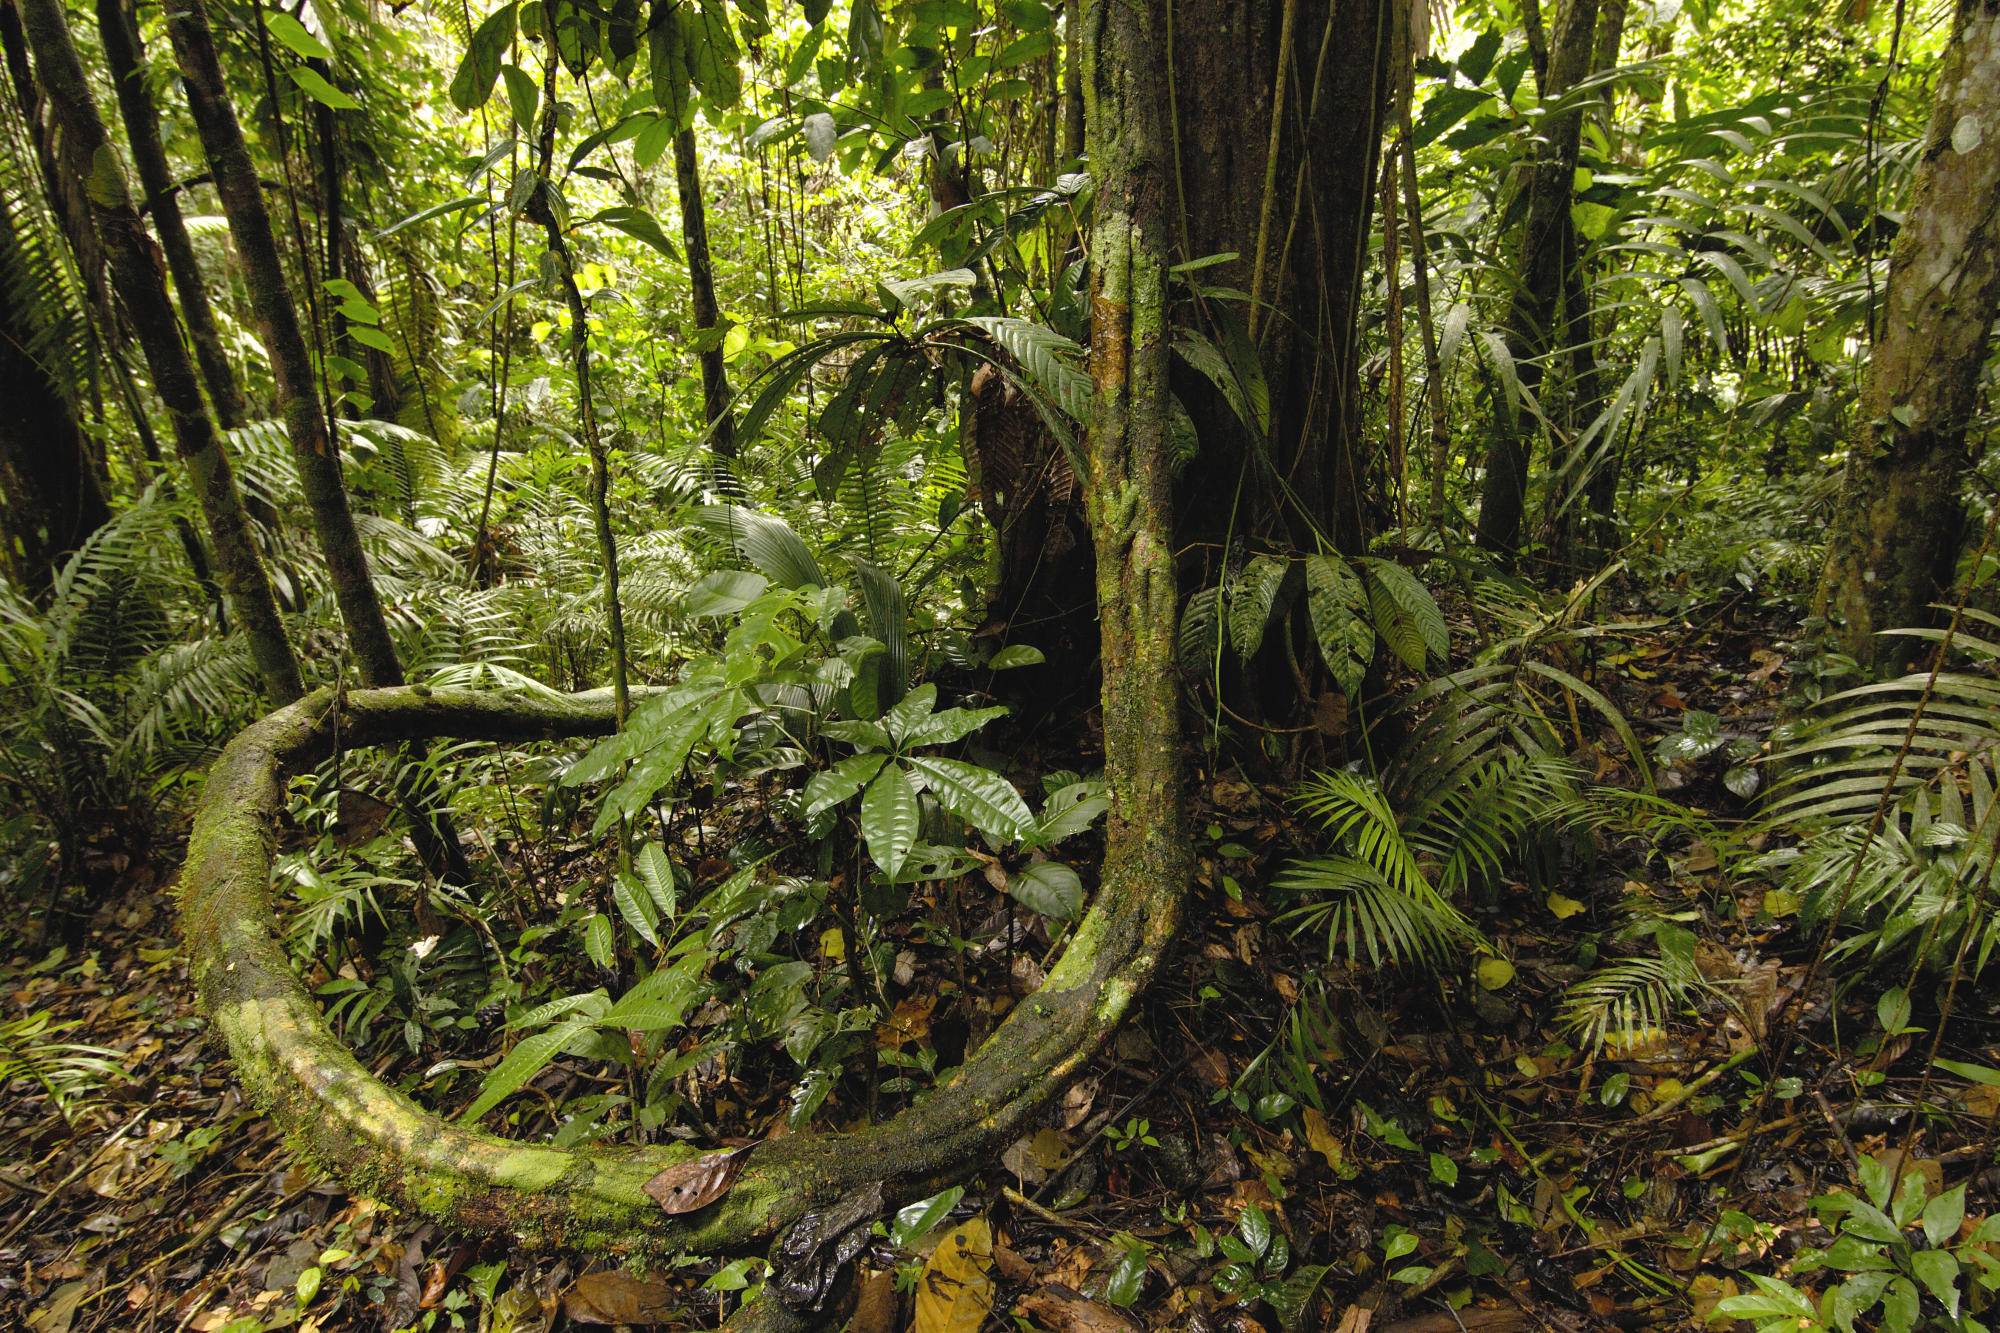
(955, 1293)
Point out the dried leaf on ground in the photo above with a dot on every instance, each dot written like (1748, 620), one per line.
(686, 1186)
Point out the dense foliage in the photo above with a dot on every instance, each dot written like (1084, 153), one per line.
(1538, 454)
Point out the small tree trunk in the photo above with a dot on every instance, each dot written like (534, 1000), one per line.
(1532, 314)
(291, 364)
(123, 55)
(701, 277)
(1072, 80)
(1421, 280)
(1896, 536)
(89, 155)
(542, 209)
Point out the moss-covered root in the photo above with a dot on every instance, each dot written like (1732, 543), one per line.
(382, 1143)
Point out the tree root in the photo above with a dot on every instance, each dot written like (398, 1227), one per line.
(383, 1144)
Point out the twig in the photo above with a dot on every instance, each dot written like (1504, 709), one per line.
(69, 1179)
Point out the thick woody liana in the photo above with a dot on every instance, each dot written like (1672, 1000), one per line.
(382, 1142)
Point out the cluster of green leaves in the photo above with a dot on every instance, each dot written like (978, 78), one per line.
(1904, 1256)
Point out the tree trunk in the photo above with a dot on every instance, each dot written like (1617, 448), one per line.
(52, 497)
(1420, 279)
(1895, 541)
(123, 55)
(1545, 248)
(1306, 207)
(1582, 504)
(90, 156)
(292, 1066)
(542, 209)
(1072, 80)
(701, 278)
(291, 363)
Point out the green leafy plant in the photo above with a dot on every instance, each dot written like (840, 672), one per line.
(1904, 1256)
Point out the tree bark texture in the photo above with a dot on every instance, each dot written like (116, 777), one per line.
(701, 279)
(1895, 541)
(313, 447)
(125, 60)
(135, 269)
(1532, 315)
(1337, 91)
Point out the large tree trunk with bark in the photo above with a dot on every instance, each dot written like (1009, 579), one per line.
(313, 445)
(89, 155)
(810, 1183)
(1280, 111)
(1896, 537)
(1546, 248)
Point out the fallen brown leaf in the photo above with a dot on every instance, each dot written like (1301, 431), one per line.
(613, 1296)
(686, 1186)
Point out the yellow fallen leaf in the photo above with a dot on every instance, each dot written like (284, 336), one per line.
(832, 944)
(955, 1293)
(1319, 1137)
(1564, 908)
(1495, 973)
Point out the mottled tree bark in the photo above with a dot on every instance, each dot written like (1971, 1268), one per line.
(291, 363)
(1896, 537)
(1545, 251)
(123, 56)
(89, 156)
(701, 278)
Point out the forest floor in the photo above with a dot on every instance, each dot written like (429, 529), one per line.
(1466, 1167)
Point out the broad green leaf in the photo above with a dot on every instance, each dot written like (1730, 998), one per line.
(636, 906)
(1944, 1214)
(1049, 887)
(1015, 655)
(1336, 603)
(1938, 1271)
(1253, 596)
(723, 593)
(953, 724)
(525, 1061)
(830, 786)
(656, 874)
(598, 943)
(473, 83)
(320, 90)
(639, 225)
(889, 818)
(523, 96)
(979, 796)
(916, 1221)
(295, 36)
(660, 1000)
